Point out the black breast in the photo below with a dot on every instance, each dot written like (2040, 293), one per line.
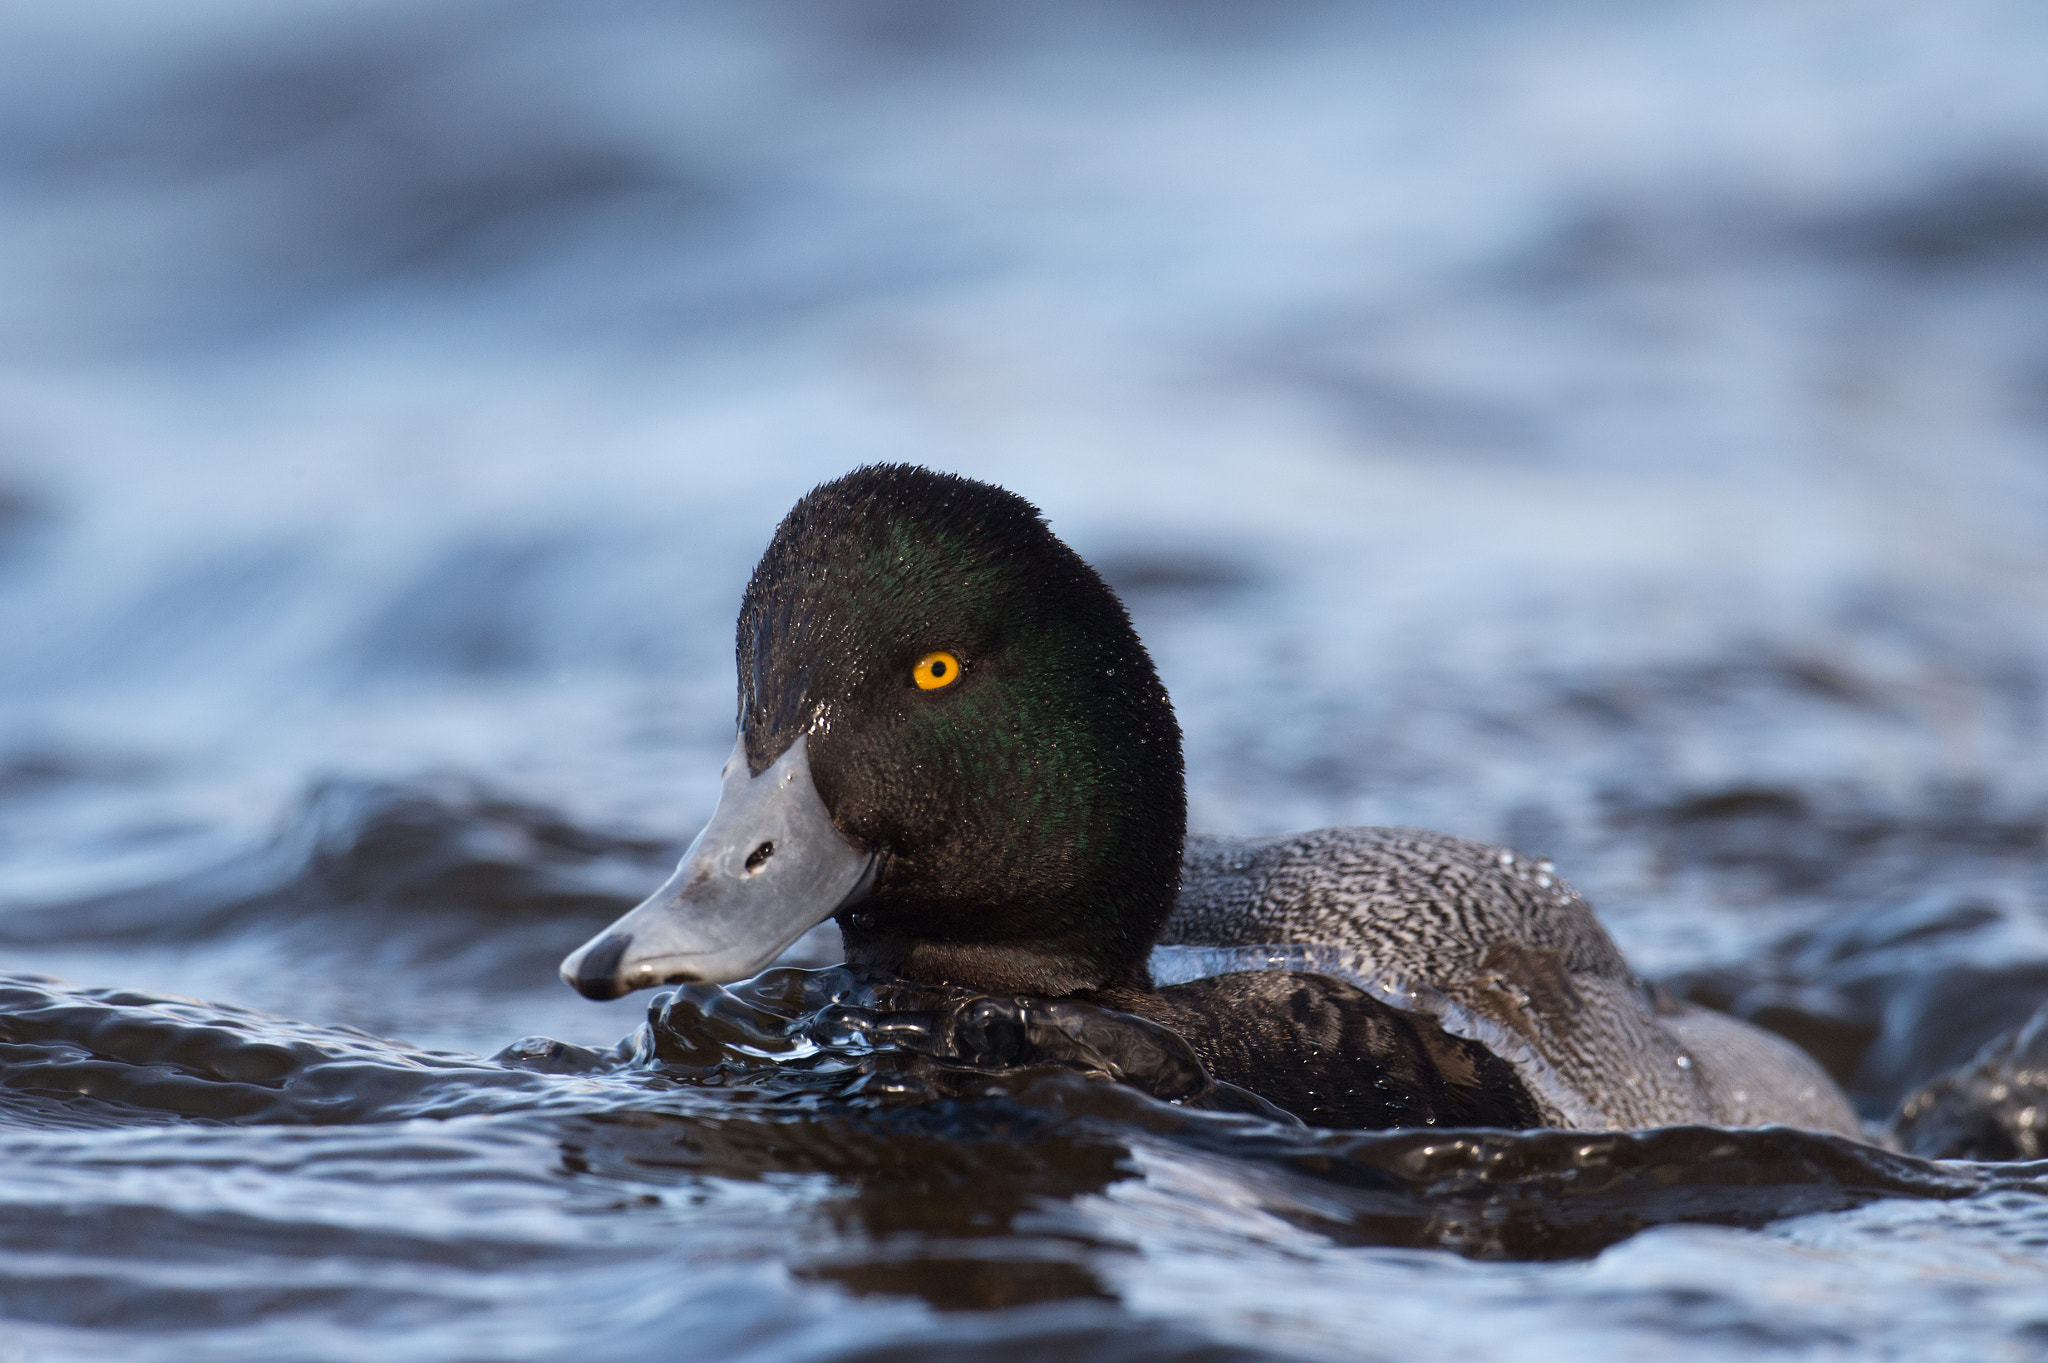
(1333, 1055)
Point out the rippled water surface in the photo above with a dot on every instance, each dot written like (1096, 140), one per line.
(1620, 431)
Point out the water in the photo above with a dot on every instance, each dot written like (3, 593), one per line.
(1620, 431)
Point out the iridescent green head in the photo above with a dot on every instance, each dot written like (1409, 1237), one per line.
(981, 717)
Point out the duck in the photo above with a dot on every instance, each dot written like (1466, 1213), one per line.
(952, 742)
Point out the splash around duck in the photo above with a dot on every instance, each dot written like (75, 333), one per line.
(952, 742)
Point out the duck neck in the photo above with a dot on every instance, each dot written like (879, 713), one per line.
(1015, 966)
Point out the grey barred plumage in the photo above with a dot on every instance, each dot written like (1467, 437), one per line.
(1498, 944)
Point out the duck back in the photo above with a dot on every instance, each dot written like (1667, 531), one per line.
(1496, 948)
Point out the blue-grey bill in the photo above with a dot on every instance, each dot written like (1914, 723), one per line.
(768, 868)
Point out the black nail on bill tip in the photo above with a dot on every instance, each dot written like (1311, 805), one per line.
(598, 976)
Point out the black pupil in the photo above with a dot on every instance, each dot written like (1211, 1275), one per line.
(938, 667)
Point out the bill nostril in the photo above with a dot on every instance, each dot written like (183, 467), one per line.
(758, 858)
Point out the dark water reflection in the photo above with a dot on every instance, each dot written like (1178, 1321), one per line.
(403, 1184)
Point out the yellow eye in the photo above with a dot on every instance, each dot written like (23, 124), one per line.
(934, 670)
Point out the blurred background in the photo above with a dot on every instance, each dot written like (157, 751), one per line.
(1615, 429)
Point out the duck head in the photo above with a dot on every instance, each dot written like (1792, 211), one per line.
(950, 739)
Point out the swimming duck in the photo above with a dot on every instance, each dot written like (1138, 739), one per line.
(951, 740)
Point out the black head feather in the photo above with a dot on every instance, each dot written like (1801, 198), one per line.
(1029, 816)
